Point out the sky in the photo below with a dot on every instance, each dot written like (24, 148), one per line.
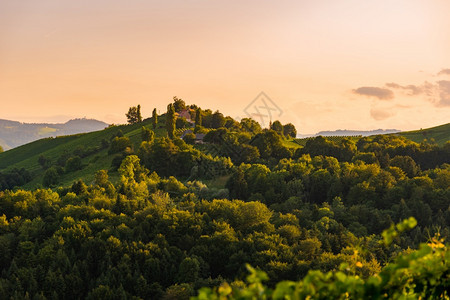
(321, 64)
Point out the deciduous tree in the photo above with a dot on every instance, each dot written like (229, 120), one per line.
(218, 120)
(289, 130)
(134, 114)
(178, 104)
(51, 177)
(277, 127)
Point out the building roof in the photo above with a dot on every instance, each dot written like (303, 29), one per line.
(185, 113)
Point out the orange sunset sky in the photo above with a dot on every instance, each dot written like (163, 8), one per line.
(327, 64)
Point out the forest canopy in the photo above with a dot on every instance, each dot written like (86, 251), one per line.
(242, 212)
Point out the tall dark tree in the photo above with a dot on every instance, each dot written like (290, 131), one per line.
(139, 116)
(170, 121)
(218, 120)
(289, 130)
(134, 115)
(178, 104)
(154, 119)
(198, 117)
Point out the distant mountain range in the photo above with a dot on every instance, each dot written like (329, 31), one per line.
(350, 133)
(14, 134)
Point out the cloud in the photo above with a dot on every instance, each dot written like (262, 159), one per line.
(444, 72)
(444, 93)
(381, 114)
(411, 89)
(437, 92)
(380, 93)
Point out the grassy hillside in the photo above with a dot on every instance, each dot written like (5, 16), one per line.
(26, 156)
(441, 134)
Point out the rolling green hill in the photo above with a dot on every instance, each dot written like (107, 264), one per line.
(26, 156)
(440, 134)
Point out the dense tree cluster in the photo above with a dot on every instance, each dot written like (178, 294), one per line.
(174, 157)
(144, 236)
(420, 274)
(13, 178)
(287, 130)
(148, 236)
(369, 197)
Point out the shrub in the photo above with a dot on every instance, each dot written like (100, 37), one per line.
(74, 164)
(119, 144)
(51, 177)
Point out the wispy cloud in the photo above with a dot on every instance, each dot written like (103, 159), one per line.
(377, 92)
(426, 88)
(411, 89)
(437, 93)
(444, 72)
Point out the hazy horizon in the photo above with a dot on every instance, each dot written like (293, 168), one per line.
(327, 65)
(55, 121)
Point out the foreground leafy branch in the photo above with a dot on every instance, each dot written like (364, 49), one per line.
(420, 274)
